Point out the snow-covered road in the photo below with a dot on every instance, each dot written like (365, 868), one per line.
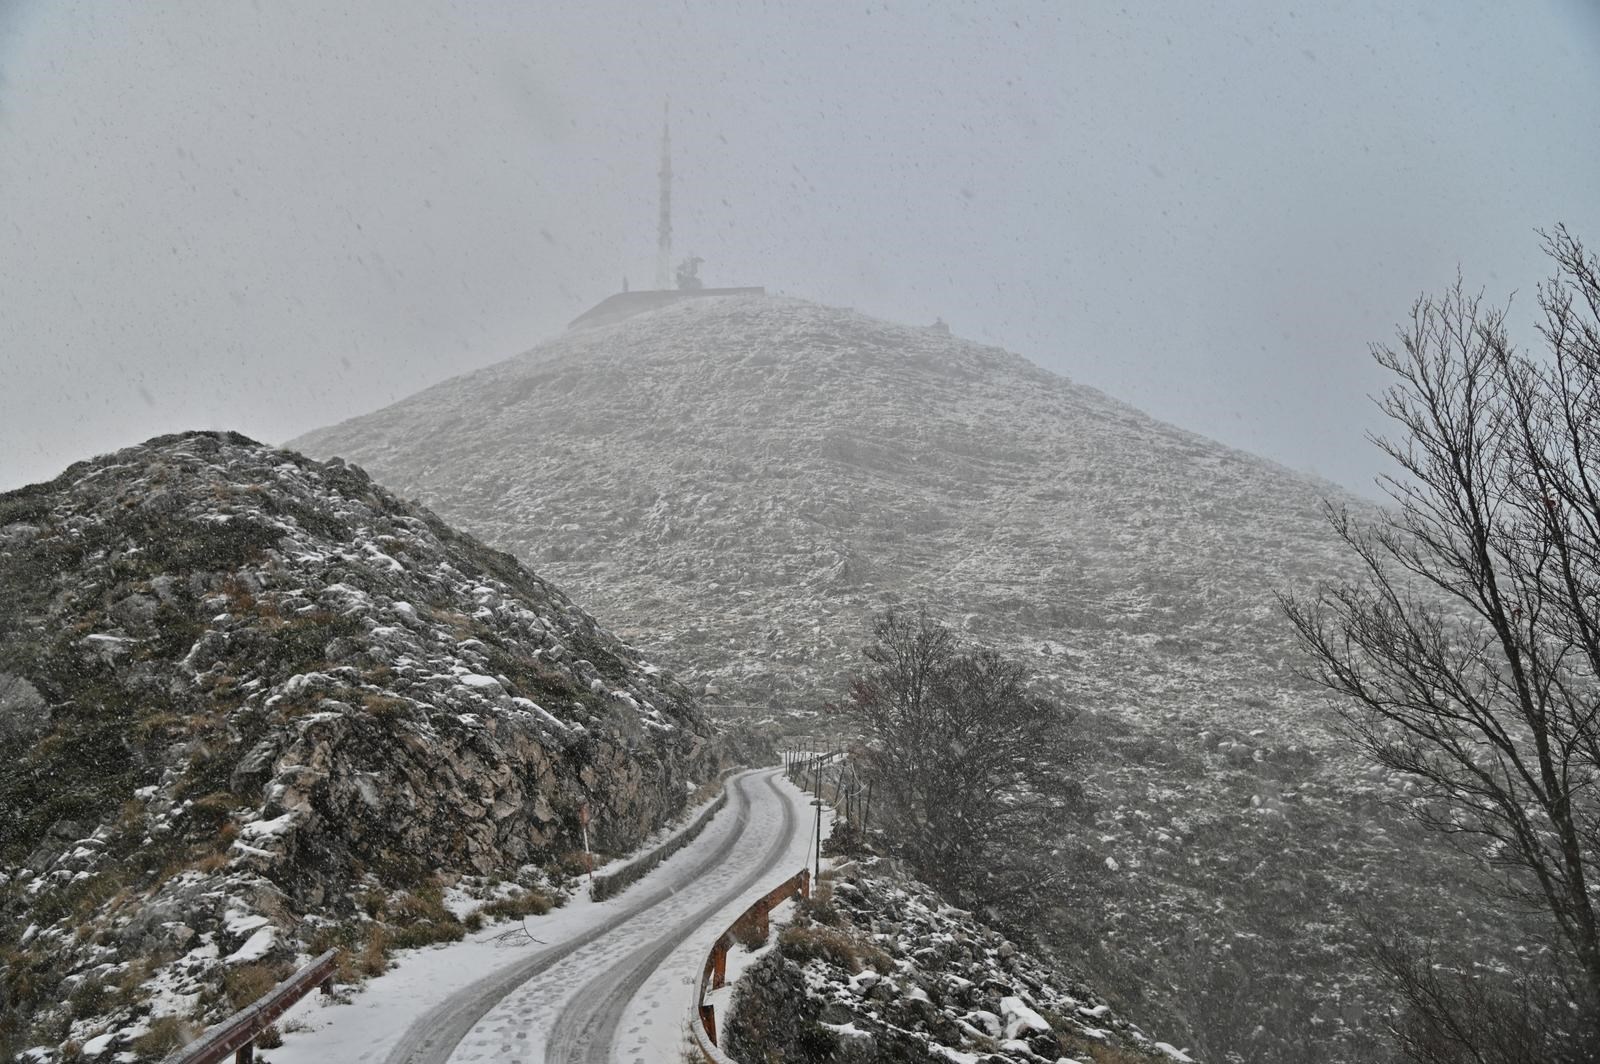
(609, 983)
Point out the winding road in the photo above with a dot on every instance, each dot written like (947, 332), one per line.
(610, 983)
(586, 1029)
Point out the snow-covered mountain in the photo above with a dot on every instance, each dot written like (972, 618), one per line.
(254, 706)
(743, 480)
(741, 483)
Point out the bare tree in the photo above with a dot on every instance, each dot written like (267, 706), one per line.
(967, 762)
(1470, 652)
(1501, 1015)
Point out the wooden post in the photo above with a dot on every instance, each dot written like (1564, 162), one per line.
(246, 1054)
(708, 1020)
(719, 963)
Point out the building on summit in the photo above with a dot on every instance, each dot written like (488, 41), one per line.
(625, 304)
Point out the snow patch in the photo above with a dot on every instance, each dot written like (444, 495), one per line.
(256, 946)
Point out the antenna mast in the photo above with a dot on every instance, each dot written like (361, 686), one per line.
(664, 229)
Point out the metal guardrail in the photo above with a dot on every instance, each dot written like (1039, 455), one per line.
(751, 924)
(238, 1033)
(605, 885)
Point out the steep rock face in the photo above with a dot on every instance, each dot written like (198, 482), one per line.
(743, 482)
(240, 686)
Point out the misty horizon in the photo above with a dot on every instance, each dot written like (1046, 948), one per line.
(273, 220)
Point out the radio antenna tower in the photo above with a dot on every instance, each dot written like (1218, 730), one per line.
(664, 225)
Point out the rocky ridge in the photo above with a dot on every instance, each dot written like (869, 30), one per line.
(257, 705)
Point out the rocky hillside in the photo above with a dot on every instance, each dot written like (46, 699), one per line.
(878, 968)
(742, 482)
(255, 705)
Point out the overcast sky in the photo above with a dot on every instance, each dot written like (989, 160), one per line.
(273, 216)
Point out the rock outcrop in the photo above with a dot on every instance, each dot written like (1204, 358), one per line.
(878, 968)
(250, 700)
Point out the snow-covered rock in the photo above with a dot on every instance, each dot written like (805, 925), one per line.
(255, 701)
(852, 981)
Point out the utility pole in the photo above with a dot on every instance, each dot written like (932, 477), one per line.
(664, 222)
(818, 778)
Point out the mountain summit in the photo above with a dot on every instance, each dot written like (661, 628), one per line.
(741, 481)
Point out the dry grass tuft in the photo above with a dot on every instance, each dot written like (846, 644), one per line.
(833, 946)
(528, 903)
(373, 959)
(246, 984)
(166, 1033)
(384, 706)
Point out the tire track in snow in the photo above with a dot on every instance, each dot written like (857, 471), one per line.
(434, 1035)
(586, 1029)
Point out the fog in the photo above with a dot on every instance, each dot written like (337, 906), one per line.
(271, 217)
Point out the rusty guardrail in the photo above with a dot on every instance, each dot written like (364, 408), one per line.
(751, 924)
(238, 1033)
